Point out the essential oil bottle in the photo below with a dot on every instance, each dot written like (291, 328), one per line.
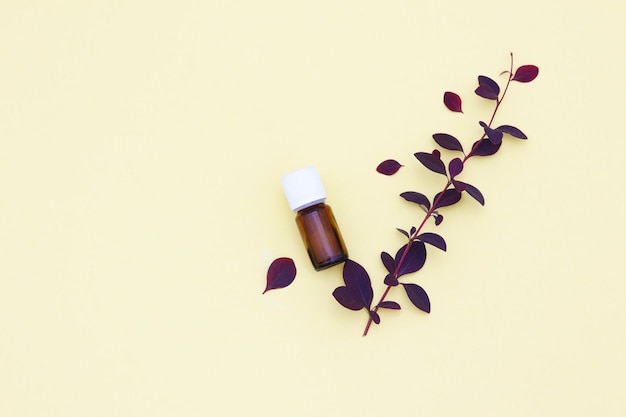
(316, 222)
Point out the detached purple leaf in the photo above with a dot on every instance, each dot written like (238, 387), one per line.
(432, 161)
(348, 297)
(388, 167)
(433, 239)
(356, 277)
(418, 296)
(485, 148)
(391, 305)
(447, 141)
(487, 88)
(526, 73)
(448, 198)
(452, 101)
(414, 259)
(388, 262)
(455, 167)
(494, 136)
(281, 273)
(417, 198)
(512, 130)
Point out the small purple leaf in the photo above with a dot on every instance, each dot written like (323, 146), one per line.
(455, 167)
(474, 193)
(356, 277)
(417, 198)
(487, 88)
(418, 296)
(388, 262)
(348, 297)
(432, 161)
(404, 232)
(391, 305)
(448, 198)
(512, 130)
(374, 316)
(438, 219)
(433, 239)
(485, 92)
(414, 259)
(388, 167)
(485, 148)
(494, 136)
(458, 185)
(447, 141)
(390, 280)
(526, 73)
(452, 101)
(281, 273)
(413, 230)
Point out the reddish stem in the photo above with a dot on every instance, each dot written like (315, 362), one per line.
(430, 211)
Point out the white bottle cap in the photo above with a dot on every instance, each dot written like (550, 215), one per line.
(303, 188)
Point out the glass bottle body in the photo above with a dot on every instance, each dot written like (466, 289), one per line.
(321, 236)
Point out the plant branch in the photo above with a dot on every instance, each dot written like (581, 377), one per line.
(433, 207)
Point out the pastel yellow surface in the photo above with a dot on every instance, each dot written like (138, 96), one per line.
(141, 149)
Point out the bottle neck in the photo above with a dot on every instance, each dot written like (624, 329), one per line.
(311, 206)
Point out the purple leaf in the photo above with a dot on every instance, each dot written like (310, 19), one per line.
(374, 316)
(526, 73)
(348, 297)
(485, 148)
(390, 280)
(388, 262)
(452, 101)
(485, 92)
(495, 136)
(432, 161)
(418, 296)
(392, 305)
(455, 167)
(413, 230)
(404, 232)
(458, 185)
(281, 273)
(356, 277)
(474, 192)
(487, 88)
(438, 219)
(512, 130)
(448, 198)
(433, 239)
(417, 198)
(414, 259)
(388, 167)
(447, 141)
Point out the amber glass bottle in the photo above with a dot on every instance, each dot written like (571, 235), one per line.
(315, 219)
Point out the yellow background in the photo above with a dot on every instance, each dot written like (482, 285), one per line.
(141, 149)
